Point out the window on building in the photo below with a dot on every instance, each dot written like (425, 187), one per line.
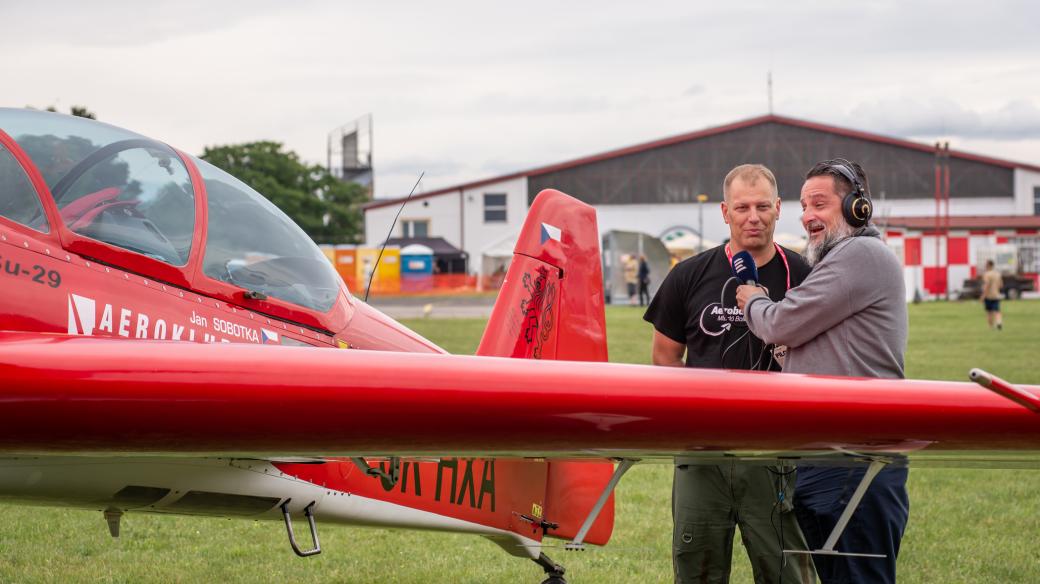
(415, 228)
(1036, 200)
(494, 207)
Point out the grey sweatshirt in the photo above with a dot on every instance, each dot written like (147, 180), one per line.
(847, 318)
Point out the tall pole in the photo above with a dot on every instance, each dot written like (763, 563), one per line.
(946, 226)
(769, 88)
(371, 157)
(700, 222)
(938, 205)
(328, 153)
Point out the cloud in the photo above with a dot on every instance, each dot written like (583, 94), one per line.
(695, 89)
(538, 104)
(413, 165)
(911, 117)
(500, 166)
(126, 24)
(507, 89)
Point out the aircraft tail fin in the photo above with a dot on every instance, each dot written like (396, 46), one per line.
(551, 302)
(551, 306)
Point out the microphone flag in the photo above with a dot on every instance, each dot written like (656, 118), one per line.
(744, 268)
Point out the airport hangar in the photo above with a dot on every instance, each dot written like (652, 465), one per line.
(653, 188)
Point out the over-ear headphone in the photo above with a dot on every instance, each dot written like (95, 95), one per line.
(855, 206)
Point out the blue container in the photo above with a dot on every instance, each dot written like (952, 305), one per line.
(416, 261)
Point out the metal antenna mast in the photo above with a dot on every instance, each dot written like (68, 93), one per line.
(769, 89)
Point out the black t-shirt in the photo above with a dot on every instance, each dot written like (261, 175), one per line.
(697, 305)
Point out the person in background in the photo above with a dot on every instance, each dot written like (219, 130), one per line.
(630, 269)
(644, 281)
(992, 282)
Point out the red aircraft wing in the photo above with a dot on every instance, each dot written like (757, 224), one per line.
(66, 394)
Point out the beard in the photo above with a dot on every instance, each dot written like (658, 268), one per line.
(832, 236)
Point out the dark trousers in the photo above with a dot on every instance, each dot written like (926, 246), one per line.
(875, 528)
(644, 292)
(709, 502)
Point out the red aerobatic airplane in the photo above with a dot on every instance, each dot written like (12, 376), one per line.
(157, 354)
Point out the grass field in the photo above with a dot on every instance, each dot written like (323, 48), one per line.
(965, 525)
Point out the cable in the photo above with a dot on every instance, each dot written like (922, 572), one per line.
(372, 274)
(725, 351)
(762, 362)
(780, 538)
(780, 495)
(768, 365)
(722, 305)
(754, 364)
(722, 295)
(780, 520)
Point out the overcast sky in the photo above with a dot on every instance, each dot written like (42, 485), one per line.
(469, 90)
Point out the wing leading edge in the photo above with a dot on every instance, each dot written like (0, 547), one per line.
(67, 394)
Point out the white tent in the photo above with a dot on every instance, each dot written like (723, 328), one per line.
(416, 249)
(686, 244)
(791, 241)
(495, 258)
(617, 244)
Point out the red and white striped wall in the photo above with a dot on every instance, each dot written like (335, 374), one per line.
(935, 263)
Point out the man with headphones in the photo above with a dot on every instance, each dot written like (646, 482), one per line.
(847, 318)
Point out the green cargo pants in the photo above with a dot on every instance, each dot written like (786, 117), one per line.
(709, 501)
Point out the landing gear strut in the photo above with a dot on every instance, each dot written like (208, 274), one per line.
(292, 536)
(832, 540)
(112, 517)
(553, 570)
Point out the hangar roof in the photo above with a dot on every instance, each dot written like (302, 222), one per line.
(711, 132)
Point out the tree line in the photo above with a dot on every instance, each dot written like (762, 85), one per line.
(326, 208)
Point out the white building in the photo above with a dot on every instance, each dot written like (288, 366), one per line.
(653, 188)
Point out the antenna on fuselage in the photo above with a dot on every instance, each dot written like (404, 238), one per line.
(372, 273)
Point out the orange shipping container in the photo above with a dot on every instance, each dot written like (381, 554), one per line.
(346, 265)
